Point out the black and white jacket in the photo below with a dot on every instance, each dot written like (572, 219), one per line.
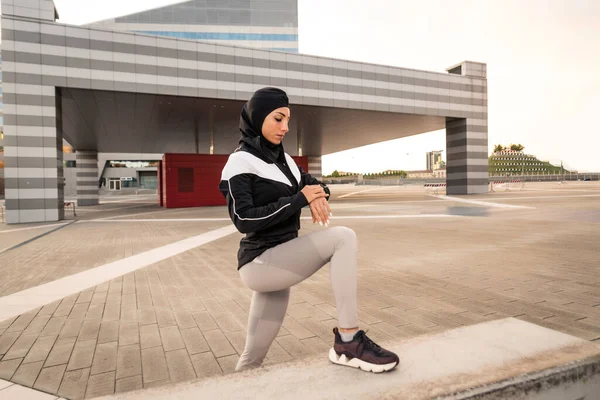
(264, 199)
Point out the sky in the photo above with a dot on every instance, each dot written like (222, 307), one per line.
(543, 58)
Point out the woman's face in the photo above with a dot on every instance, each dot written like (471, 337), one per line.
(275, 125)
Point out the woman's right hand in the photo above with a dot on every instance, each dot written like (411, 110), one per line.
(312, 192)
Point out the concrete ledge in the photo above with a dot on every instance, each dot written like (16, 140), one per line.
(577, 380)
(503, 359)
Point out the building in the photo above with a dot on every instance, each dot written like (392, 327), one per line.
(434, 160)
(439, 173)
(106, 92)
(117, 172)
(422, 174)
(427, 174)
(337, 174)
(264, 24)
(511, 162)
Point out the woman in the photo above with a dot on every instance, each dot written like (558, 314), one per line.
(265, 192)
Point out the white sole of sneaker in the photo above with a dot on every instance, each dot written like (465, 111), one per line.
(357, 363)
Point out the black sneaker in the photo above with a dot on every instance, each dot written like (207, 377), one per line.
(362, 353)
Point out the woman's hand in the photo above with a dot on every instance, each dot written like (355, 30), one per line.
(313, 192)
(320, 211)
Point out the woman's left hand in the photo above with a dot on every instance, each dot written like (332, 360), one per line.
(320, 211)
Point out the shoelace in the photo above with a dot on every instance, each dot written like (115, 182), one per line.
(363, 336)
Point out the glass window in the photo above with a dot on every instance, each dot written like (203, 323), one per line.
(129, 183)
(284, 49)
(226, 36)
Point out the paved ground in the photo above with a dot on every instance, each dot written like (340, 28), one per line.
(426, 264)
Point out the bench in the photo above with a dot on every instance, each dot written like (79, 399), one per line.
(72, 205)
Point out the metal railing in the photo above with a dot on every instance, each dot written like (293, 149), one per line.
(595, 176)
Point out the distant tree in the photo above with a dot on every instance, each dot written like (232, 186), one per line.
(498, 148)
(403, 174)
(335, 174)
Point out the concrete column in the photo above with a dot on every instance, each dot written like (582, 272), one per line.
(32, 136)
(314, 167)
(87, 177)
(466, 156)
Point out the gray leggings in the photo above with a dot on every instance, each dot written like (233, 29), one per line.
(272, 274)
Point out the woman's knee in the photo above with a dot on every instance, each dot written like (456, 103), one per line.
(345, 235)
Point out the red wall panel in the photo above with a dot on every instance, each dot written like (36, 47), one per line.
(205, 172)
(160, 186)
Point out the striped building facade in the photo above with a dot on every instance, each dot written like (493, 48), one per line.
(41, 57)
(87, 177)
(315, 167)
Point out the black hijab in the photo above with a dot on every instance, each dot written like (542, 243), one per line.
(254, 112)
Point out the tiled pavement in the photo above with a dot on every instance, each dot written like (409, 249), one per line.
(10, 390)
(185, 317)
(81, 246)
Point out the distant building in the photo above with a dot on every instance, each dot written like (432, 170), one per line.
(422, 174)
(267, 25)
(434, 160)
(439, 173)
(427, 174)
(512, 162)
